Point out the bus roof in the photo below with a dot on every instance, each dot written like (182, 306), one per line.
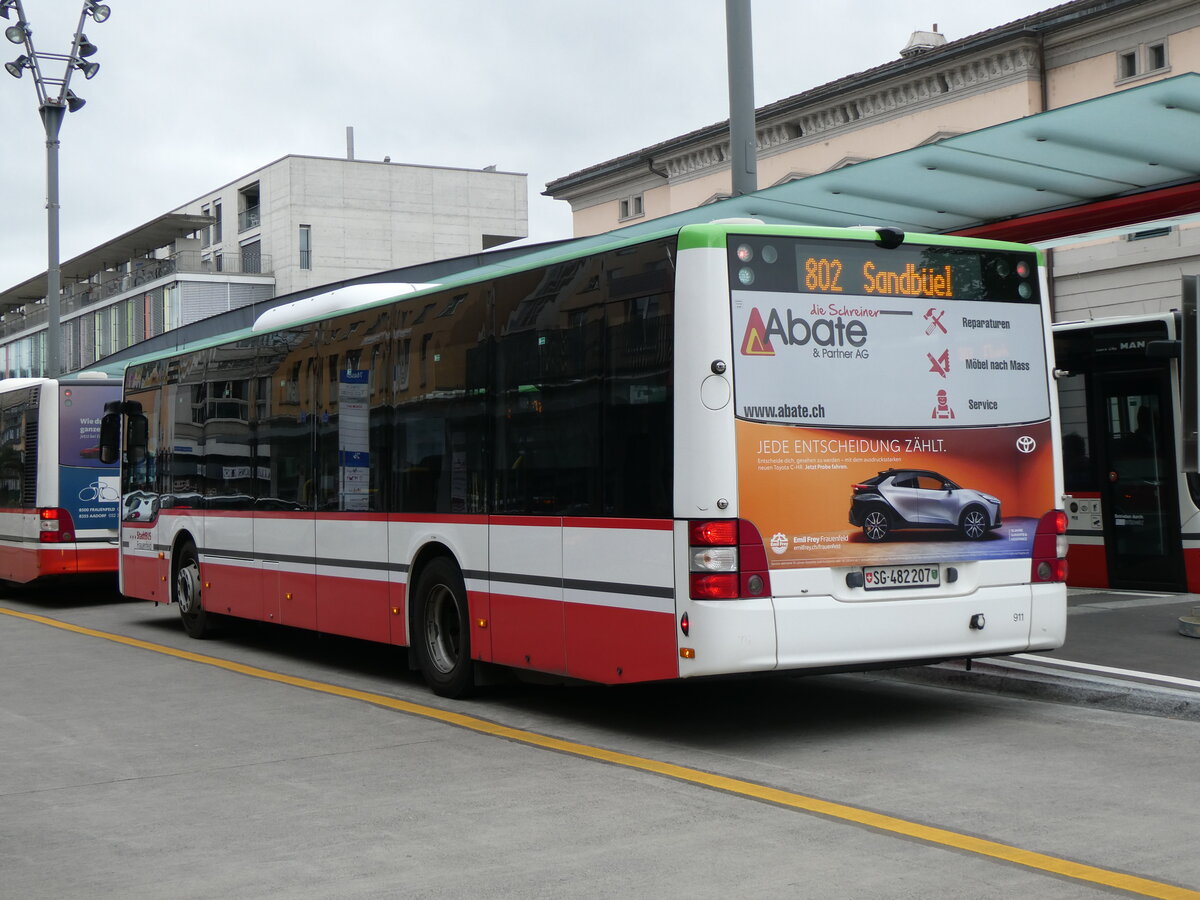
(692, 235)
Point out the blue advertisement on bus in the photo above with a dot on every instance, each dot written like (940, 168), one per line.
(88, 489)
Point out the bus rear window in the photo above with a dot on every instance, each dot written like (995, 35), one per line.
(80, 408)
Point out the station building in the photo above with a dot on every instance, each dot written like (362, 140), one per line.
(296, 223)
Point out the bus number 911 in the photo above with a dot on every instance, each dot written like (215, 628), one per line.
(823, 275)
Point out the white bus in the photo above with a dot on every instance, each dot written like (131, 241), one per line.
(723, 448)
(58, 501)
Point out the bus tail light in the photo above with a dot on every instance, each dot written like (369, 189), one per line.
(55, 526)
(1049, 562)
(727, 560)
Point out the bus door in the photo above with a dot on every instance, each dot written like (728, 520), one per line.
(284, 516)
(1138, 483)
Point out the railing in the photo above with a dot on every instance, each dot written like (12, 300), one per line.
(79, 296)
(248, 219)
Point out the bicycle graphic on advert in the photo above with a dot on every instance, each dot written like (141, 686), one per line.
(100, 492)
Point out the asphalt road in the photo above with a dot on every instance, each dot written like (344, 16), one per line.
(139, 769)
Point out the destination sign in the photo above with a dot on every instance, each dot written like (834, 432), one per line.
(864, 269)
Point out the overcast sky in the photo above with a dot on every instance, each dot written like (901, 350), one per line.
(192, 95)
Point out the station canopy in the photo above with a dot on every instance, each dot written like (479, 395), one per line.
(1118, 160)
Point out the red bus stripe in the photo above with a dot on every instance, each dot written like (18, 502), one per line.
(631, 524)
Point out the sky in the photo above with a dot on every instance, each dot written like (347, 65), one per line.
(193, 95)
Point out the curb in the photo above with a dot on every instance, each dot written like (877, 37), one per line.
(1189, 626)
(1039, 682)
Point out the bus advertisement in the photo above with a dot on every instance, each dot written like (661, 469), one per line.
(955, 436)
(725, 448)
(59, 510)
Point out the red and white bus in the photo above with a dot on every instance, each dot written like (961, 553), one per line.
(1134, 512)
(58, 501)
(626, 459)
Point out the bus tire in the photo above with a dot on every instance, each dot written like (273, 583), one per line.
(973, 523)
(442, 631)
(877, 524)
(197, 621)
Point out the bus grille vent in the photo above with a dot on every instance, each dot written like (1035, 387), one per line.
(29, 482)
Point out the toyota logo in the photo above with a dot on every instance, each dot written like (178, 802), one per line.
(1026, 444)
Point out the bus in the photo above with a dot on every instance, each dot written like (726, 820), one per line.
(722, 448)
(1133, 511)
(58, 501)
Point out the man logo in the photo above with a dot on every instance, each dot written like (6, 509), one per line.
(756, 342)
(1026, 444)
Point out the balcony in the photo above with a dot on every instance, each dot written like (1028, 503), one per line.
(144, 274)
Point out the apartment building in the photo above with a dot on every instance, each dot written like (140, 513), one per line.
(296, 223)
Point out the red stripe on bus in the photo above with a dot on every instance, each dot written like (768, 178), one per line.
(631, 524)
(527, 632)
(1191, 565)
(527, 521)
(96, 561)
(145, 577)
(615, 646)
(1087, 566)
(437, 519)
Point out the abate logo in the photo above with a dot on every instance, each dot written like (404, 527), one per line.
(756, 342)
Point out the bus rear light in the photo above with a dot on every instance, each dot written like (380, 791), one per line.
(714, 587)
(55, 526)
(1049, 565)
(718, 533)
(1052, 570)
(728, 560)
(714, 559)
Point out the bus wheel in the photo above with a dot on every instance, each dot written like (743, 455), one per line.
(876, 525)
(196, 621)
(441, 633)
(973, 524)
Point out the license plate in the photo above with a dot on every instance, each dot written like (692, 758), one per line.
(879, 578)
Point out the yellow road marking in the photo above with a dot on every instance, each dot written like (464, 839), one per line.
(939, 836)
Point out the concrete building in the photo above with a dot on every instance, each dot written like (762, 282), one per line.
(294, 224)
(936, 89)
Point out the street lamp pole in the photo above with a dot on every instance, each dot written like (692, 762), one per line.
(52, 108)
(52, 116)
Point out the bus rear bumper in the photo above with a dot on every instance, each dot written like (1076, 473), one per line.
(815, 632)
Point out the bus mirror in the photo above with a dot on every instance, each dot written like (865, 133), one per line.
(1164, 349)
(137, 438)
(110, 438)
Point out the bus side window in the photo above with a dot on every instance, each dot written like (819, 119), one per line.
(137, 437)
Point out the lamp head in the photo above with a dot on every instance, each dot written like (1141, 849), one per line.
(89, 69)
(17, 66)
(98, 11)
(74, 104)
(86, 47)
(17, 33)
